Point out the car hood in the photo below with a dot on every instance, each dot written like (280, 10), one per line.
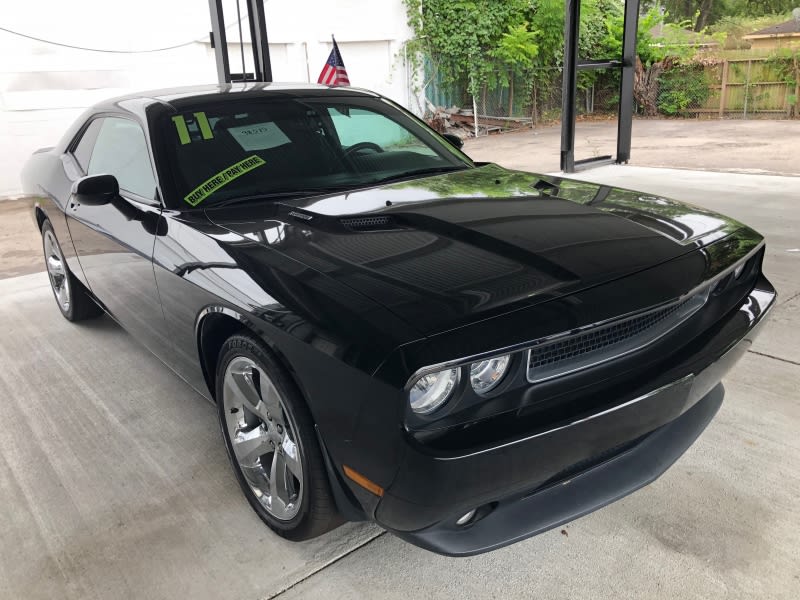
(445, 251)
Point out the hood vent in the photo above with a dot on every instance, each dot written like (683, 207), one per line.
(376, 223)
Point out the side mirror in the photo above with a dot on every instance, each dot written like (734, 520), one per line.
(95, 190)
(454, 140)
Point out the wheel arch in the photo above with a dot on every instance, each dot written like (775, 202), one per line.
(215, 324)
(40, 216)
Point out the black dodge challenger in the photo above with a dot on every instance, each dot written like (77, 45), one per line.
(463, 354)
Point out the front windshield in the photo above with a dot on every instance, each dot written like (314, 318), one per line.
(291, 146)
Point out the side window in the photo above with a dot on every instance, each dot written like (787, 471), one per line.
(121, 150)
(356, 125)
(83, 151)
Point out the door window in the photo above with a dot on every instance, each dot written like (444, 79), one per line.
(83, 151)
(121, 150)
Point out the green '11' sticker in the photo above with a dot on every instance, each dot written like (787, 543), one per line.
(223, 178)
(183, 131)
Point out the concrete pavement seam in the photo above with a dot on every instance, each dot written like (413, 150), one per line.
(789, 299)
(323, 567)
(786, 360)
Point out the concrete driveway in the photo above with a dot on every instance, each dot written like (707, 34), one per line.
(114, 481)
(755, 147)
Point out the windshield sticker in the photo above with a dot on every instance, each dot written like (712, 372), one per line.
(223, 178)
(183, 131)
(202, 123)
(259, 136)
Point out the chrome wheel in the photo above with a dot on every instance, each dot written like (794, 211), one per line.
(264, 438)
(57, 270)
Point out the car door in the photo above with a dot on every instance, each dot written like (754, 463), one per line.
(114, 242)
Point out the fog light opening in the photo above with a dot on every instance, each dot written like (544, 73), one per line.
(466, 518)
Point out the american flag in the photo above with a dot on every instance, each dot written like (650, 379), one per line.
(334, 73)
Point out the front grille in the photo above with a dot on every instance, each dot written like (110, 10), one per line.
(597, 344)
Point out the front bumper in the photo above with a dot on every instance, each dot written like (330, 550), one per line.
(529, 485)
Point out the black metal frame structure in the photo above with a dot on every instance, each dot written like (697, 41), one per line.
(258, 37)
(573, 63)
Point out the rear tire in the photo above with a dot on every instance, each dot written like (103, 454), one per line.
(271, 441)
(73, 299)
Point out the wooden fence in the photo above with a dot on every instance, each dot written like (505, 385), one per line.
(751, 87)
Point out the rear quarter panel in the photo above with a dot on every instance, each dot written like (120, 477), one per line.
(47, 183)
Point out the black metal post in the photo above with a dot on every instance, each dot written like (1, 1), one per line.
(219, 41)
(625, 121)
(258, 36)
(572, 64)
(570, 84)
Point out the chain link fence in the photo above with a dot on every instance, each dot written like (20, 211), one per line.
(733, 89)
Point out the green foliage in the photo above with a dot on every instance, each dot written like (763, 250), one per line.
(735, 26)
(466, 39)
(704, 13)
(681, 88)
(758, 8)
(646, 45)
(785, 64)
(594, 39)
(697, 14)
(518, 45)
(515, 51)
(547, 18)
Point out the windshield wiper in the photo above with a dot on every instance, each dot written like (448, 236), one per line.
(415, 172)
(285, 194)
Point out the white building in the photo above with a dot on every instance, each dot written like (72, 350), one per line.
(44, 87)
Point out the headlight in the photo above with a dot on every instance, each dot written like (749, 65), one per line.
(433, 390)
(485, 375)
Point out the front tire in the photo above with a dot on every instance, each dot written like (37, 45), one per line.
(271, 442)
(73, 299)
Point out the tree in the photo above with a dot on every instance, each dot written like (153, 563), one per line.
(516, 50)
(651, 59)
(759, 8)
(700, 13)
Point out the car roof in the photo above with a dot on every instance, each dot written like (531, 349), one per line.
(178, 97)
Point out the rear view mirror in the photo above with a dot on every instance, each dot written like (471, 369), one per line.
(95, 190)
(454, 140)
